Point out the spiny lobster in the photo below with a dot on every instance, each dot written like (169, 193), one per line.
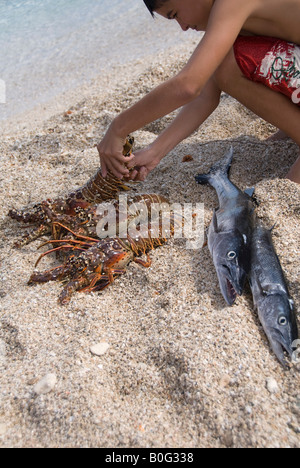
(74, 208)
(92, 265)
(76, 222)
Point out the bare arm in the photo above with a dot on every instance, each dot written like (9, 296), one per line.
(190, 117)
(226, 21)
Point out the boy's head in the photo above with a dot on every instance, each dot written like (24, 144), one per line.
(190, 14)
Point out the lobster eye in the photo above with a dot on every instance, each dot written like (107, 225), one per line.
(231, 255)
(282, 320)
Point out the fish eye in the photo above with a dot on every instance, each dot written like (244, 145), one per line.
(282, 320)
(231, 255)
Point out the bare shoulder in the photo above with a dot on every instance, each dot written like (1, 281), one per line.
(234, 9)
(252, 4)
(226, 21)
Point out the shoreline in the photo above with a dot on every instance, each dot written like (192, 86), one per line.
(180, 368)
(106, 83)
(31, 119)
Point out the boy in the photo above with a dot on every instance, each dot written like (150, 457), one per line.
(239, 55)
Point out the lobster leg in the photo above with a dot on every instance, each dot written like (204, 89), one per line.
(35, 234)
(71, 288)
(146, 264)
(55, 250)
(78, 236)
(104, 285)
(105, 280)
(50, 275)
(23, 216)
(101, 286)
(65, 241)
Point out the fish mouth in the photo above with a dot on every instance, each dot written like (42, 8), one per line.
(231, 288)
(231, 293)
(281, 347)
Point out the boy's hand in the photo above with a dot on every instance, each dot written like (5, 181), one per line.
(111, 155)
(144, 161)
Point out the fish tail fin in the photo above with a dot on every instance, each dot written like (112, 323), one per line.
(220, 168)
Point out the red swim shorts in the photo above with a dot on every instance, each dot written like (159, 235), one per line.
(271, 61)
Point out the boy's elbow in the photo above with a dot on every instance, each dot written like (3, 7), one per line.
(189, 88)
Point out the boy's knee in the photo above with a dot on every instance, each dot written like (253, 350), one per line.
(227, 71)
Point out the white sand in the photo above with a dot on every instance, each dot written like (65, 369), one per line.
(182, 369)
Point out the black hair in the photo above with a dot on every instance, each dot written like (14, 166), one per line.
(152, 5)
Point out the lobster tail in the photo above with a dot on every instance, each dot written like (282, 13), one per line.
(98, 189)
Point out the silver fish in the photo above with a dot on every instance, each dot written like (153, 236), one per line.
(230, 232)
(271, 296)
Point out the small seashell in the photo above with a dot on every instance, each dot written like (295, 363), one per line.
(45, 385)
(272, 385)
(99, 349)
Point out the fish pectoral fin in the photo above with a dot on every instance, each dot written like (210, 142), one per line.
(271, 289)
(250, 192)
(215, 222)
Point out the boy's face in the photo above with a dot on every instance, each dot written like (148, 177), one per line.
(190, 14)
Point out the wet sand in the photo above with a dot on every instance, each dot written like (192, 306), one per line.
(181, 369)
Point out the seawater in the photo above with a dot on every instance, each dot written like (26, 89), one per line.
(51, 46)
